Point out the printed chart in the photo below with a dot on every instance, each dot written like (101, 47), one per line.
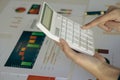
(26, 50)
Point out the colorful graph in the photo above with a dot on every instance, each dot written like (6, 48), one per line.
(34, 9)
(26, 50)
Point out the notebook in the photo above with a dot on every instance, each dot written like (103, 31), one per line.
(57, 26)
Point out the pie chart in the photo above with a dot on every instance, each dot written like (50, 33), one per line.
(20, 9)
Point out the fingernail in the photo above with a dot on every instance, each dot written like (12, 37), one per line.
(83, 27)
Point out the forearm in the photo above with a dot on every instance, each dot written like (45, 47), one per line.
(108, 72)
(99, 69)
(89, 63)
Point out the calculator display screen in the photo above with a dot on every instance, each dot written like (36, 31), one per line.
(47, 17)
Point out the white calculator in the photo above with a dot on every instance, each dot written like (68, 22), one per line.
(56, 26)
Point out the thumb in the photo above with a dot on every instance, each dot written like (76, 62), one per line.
(67, 50)
(64, 45)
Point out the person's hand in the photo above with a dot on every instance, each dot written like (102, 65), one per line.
(75, 56)
(81, 59)
(96, 64)
(108, 22)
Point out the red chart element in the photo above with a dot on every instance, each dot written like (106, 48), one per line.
(20, 9)
(33, 77)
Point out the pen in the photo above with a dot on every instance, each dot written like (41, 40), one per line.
(95, 12)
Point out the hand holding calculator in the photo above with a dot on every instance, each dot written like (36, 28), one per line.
(56, 26)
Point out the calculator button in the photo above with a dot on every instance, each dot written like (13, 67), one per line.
(68, 39)
(57, 31)
(83, 45)
(76, 42)
(90, 32)
(62, 36)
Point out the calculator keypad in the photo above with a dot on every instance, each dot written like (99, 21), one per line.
(72, 33)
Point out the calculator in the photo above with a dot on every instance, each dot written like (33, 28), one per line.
(57, 26)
